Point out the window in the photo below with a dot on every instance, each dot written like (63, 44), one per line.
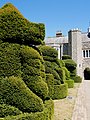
(86, 53)
(83, 53)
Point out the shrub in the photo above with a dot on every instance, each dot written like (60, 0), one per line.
(60, 91)
(71, 66)
(10, 60)
(13, 91)
(50, 83)
(37, 85)
(55, 74)
(77, 79)
(60, 63)
(61, 73)
(64, 57)
(46, 114)
(48, 51)
(67, 73)
(70, 83)
(14, 28)
(6, 110)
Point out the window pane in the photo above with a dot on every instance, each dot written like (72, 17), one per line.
(83, 53)
(86, 53)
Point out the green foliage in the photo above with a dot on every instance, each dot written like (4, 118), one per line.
(46, 114)
(60, 63)
(10, 60)
(13, 91)
(37, 85)
(71, 66)
(77, 79)
(6, 110)
(51, 71)
(67, 73)
(50, 83)
(32, 69)
(61, 73)
(70, 83)
(14, 28)
(48, 51)
(64, 57)
(60, 91)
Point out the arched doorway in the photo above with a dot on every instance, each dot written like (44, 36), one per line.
(87, 73)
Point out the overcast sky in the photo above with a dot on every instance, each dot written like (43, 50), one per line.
(57, 15)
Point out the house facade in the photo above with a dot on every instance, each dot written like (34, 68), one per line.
(76, 44)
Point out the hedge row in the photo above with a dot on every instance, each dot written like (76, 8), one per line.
(70, 83)
(6, 110)
(14, 28)
(32, 71)
(10, 60)
(46, 114)
(60, 91)
(13, 91)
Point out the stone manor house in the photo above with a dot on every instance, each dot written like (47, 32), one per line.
(76, 44)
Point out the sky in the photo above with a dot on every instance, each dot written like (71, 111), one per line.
(57, 15)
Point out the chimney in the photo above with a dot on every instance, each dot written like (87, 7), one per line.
(58, 34)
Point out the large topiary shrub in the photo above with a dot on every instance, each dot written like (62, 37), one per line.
(13, 91)
(10, 60)
(15, 28)
(32, 68)
(6, 110)
(71, 66)
(46, 114)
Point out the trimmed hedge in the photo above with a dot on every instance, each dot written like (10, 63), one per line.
(37, 85)
(48, 51)
(64, 57)
(61, 73)
(67, 73)
(51, 71)
(60, 63)
(77, 79)
(32, 71)
(13, 91)
(60, 91)
(10, 60)
(14, 28)
(6, 110)
(71, 66)
(50, 83)
(70, 83)
(46, 114)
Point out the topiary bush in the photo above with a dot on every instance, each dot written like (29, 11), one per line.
(6, 110)
(64, 57)
(13, 91)
(50, 83)
(46, 114)
(10, 60)
(60, 91)
(77, 79)
(67, 73)
(14, 28)
(32, 71)
(71, 66)
(61, 73)
(70, 83)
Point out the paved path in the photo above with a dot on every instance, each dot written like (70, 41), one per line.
(82, 105)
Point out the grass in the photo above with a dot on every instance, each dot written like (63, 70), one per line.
(63, 108)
